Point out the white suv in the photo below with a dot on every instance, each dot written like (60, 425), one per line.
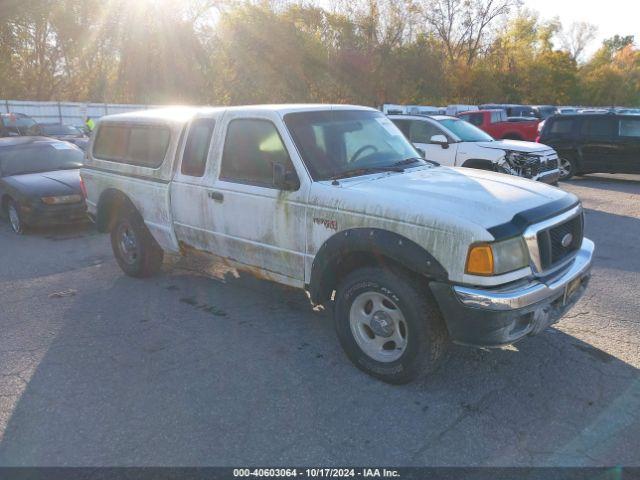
(334, 200)
(454, 142)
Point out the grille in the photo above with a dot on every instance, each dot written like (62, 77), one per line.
(550, 245)
(550, 164)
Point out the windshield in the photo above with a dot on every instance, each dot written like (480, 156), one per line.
(333, 143)
(59, 130)
(465, 131)
(39, 158)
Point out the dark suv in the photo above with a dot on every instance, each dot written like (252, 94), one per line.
(595, 143)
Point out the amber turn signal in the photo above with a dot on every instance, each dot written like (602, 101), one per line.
(480, 260)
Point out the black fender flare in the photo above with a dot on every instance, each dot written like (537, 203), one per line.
(384, 246)
(480, 164)
(111, 201)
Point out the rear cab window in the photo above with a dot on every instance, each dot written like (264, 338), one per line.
(476, 119)
(196, 151)
(139, 145)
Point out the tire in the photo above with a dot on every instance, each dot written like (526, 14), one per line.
(15, 218)
(405, 330)
(135, 249)
(568, 167)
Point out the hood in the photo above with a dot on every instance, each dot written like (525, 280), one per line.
(58, 182)
(514, 145)
(447, 196)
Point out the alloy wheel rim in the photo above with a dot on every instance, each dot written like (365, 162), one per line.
(378, 327)
(14, 218)
(565, 167)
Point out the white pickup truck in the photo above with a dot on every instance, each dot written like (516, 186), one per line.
(334, 200)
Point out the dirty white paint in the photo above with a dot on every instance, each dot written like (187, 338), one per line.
(276, 234)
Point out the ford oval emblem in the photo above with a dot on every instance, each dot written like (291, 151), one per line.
(566, 240)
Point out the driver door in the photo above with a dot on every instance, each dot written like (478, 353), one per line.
(251, 220)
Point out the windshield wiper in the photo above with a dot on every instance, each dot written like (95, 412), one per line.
(356, 172)
(409, 161)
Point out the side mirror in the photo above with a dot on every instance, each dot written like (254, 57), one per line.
(440, 140)
(283, 179)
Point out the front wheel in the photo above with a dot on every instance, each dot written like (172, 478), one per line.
(135, 249)
(15, 218)
(388, 327)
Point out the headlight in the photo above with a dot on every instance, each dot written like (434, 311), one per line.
(63, 199)
(497, 258)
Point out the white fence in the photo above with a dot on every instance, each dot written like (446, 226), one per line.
(70, 113)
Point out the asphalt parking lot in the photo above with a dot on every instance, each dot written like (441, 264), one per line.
(189, 369)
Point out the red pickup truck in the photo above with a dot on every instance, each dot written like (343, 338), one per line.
(496, 124)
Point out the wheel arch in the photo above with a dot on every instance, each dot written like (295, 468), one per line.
(355, 248)
(480, 164)
(110, 203)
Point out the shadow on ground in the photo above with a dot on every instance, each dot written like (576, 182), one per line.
(188, 370)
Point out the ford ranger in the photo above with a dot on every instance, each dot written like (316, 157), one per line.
(409, 255)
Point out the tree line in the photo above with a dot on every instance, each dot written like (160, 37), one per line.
(220, 52)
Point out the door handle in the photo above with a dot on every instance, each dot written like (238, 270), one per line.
(217, 196)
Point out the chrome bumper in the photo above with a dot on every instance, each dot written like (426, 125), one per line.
(536, 291)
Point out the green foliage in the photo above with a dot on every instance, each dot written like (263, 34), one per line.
(368, 52)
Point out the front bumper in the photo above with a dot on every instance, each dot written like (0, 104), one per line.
(50, 215)
(550, 177)
(496, 317)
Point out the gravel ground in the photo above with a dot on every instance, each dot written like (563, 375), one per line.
(184, 369)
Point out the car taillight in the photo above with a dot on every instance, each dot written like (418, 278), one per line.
(83, 188)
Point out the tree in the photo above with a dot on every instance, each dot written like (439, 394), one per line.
(577, 38)
(462, 25)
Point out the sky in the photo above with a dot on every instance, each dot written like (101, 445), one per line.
(612, 17)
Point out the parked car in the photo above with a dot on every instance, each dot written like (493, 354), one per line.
(453, 142)
(596, 143)
(18, 124)
(499, 126)
(454, 110)
(593, 111)
(566, 110)
(512, 110)
(333, 199)
(40, 182)
(542, 112)
(67, 133)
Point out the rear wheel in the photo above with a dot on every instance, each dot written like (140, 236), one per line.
(15, 219)
(388, 326)
(136, 251)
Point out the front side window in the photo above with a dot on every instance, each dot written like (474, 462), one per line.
(421, 132)
(465, 131)
(629, 127)
(335, 142)
(251, 149)
(196, 149)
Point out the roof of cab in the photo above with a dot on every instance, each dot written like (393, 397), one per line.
(182, 114)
